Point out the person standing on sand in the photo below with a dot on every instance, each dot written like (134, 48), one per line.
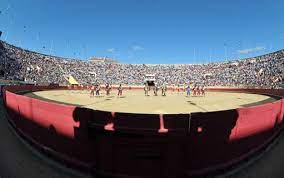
(119, 93)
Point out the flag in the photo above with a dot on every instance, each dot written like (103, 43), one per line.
(72, 80)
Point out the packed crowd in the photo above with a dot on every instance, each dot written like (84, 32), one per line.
(265, 71)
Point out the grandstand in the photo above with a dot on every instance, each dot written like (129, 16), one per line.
(258, 72)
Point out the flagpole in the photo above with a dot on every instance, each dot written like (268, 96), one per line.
(51, 46)
(225, 47)
(194, 55)
(6, 36)
(210, 57)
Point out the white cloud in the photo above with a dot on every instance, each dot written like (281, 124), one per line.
(250, 50)
(111, 50)
(137, 48)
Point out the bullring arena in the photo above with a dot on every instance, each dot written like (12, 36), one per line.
(141, 136)
(134, 101)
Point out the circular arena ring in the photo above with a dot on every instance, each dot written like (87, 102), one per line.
(135, 101)
(146, 136)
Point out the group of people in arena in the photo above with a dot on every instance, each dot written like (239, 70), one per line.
(264, 71)
(196, 90)
(97, 88)
(155, 88)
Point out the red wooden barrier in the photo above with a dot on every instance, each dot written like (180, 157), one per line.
(131, 145)
(281, 114)
(255, 120)
(52, 114)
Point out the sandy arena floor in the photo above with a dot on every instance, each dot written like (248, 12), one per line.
(136, 102)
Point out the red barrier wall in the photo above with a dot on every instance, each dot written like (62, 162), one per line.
(281, 114)
(145, 145)
(256, 119)
(51, 126)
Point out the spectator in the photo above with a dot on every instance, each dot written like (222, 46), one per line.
(265, 71)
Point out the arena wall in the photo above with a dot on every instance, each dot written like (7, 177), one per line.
(144, 145)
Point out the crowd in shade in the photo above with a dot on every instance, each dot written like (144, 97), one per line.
(265, 71)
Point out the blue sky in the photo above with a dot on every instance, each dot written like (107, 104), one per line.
(145, 31)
